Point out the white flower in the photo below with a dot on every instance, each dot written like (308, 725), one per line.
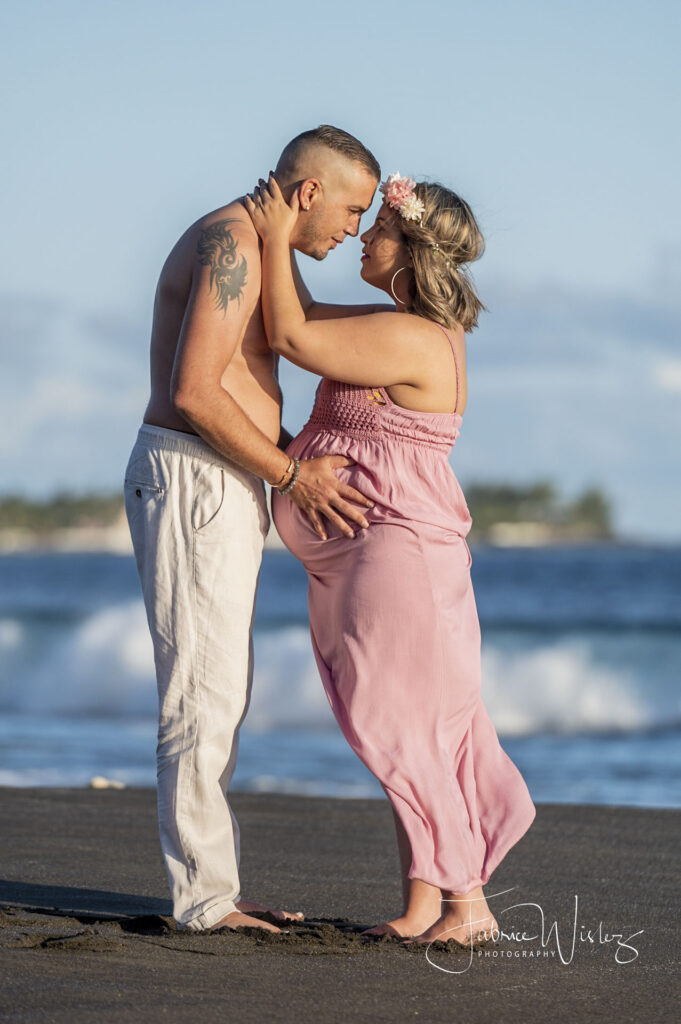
(399, 194)
(412, 208)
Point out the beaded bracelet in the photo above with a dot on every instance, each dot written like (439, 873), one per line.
(292, 482)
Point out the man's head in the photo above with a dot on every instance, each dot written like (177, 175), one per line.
(335, 177)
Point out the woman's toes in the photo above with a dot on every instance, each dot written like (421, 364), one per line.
(400, 928)
(381, 929)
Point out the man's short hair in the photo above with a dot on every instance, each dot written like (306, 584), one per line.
(333, 138)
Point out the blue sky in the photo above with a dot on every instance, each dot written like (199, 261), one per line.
(557, 122)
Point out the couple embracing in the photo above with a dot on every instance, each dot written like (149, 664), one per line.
(364, 496)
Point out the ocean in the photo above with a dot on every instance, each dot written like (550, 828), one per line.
(581, 676)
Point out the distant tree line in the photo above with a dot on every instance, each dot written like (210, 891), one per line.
(589, 515)
(62, 510)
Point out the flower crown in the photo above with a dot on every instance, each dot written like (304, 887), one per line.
(399, 194)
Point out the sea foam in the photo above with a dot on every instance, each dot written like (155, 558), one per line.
(102, 665)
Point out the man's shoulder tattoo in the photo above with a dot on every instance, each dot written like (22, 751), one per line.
(217, 249)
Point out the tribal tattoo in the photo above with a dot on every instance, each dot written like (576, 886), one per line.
(217, 250)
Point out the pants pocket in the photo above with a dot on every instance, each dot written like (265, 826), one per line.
(209, 497)
(140, 498)
(263, 511)
(144, 482)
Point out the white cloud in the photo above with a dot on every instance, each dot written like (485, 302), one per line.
(666, 375)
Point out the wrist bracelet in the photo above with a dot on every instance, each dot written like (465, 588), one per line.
(286, 476)
(292, 482)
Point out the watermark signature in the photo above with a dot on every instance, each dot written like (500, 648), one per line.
(564, 941)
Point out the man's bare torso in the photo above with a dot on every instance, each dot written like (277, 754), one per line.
(251, 375)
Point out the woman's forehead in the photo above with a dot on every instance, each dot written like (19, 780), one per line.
(385, 214)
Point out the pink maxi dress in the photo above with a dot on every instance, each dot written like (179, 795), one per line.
(396, 635)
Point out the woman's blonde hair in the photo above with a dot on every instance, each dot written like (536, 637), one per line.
(447, 239)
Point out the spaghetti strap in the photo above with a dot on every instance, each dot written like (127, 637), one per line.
(456, 364)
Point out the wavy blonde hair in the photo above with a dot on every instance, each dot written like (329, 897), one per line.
(441, 246)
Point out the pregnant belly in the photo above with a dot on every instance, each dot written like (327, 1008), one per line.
(407, 484)
(293, 525)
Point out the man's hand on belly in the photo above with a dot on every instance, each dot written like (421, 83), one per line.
(318, 492)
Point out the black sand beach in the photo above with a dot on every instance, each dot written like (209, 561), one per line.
(85, 932)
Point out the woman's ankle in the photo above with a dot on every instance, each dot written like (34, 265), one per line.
(421, 895)
(422, 912)
(471, 905)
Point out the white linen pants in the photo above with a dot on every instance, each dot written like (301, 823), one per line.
(198, 524)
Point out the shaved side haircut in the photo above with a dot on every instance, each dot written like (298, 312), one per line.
(332, 138)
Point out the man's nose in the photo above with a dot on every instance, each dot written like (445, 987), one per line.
(352, 229)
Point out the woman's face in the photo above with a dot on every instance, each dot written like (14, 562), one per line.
(384, 250)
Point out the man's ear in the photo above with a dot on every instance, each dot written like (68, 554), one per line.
(308, 192)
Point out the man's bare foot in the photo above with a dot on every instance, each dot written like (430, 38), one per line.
(451, 926)
(238, 920)
(253, 907)
(402, 927)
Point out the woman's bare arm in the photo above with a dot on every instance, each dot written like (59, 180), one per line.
(369, 350)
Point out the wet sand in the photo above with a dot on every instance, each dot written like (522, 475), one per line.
(85, 930)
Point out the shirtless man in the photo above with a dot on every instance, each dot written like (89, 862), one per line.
(196, 505)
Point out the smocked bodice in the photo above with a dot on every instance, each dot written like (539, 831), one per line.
(369, 413)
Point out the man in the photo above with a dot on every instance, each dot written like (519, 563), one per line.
(196, 506)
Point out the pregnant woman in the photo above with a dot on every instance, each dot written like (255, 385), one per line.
(393, 618)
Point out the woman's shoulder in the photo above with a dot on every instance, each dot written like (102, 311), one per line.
(421, 327)
(403, 321)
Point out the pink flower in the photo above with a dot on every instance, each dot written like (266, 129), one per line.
(399, 194)
(397, 189)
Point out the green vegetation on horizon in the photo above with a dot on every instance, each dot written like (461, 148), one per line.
(587, 517)
(62, 510)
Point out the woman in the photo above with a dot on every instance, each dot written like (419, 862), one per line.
(393, 618)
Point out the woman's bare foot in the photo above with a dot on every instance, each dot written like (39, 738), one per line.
(467, 919)
(238, 920)
(422, 902)
(422, 907)
(253, 907)
(402, 927)
(450, 926)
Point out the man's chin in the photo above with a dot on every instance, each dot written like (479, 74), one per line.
(313, 249)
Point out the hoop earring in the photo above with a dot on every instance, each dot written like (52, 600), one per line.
(393, 290)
